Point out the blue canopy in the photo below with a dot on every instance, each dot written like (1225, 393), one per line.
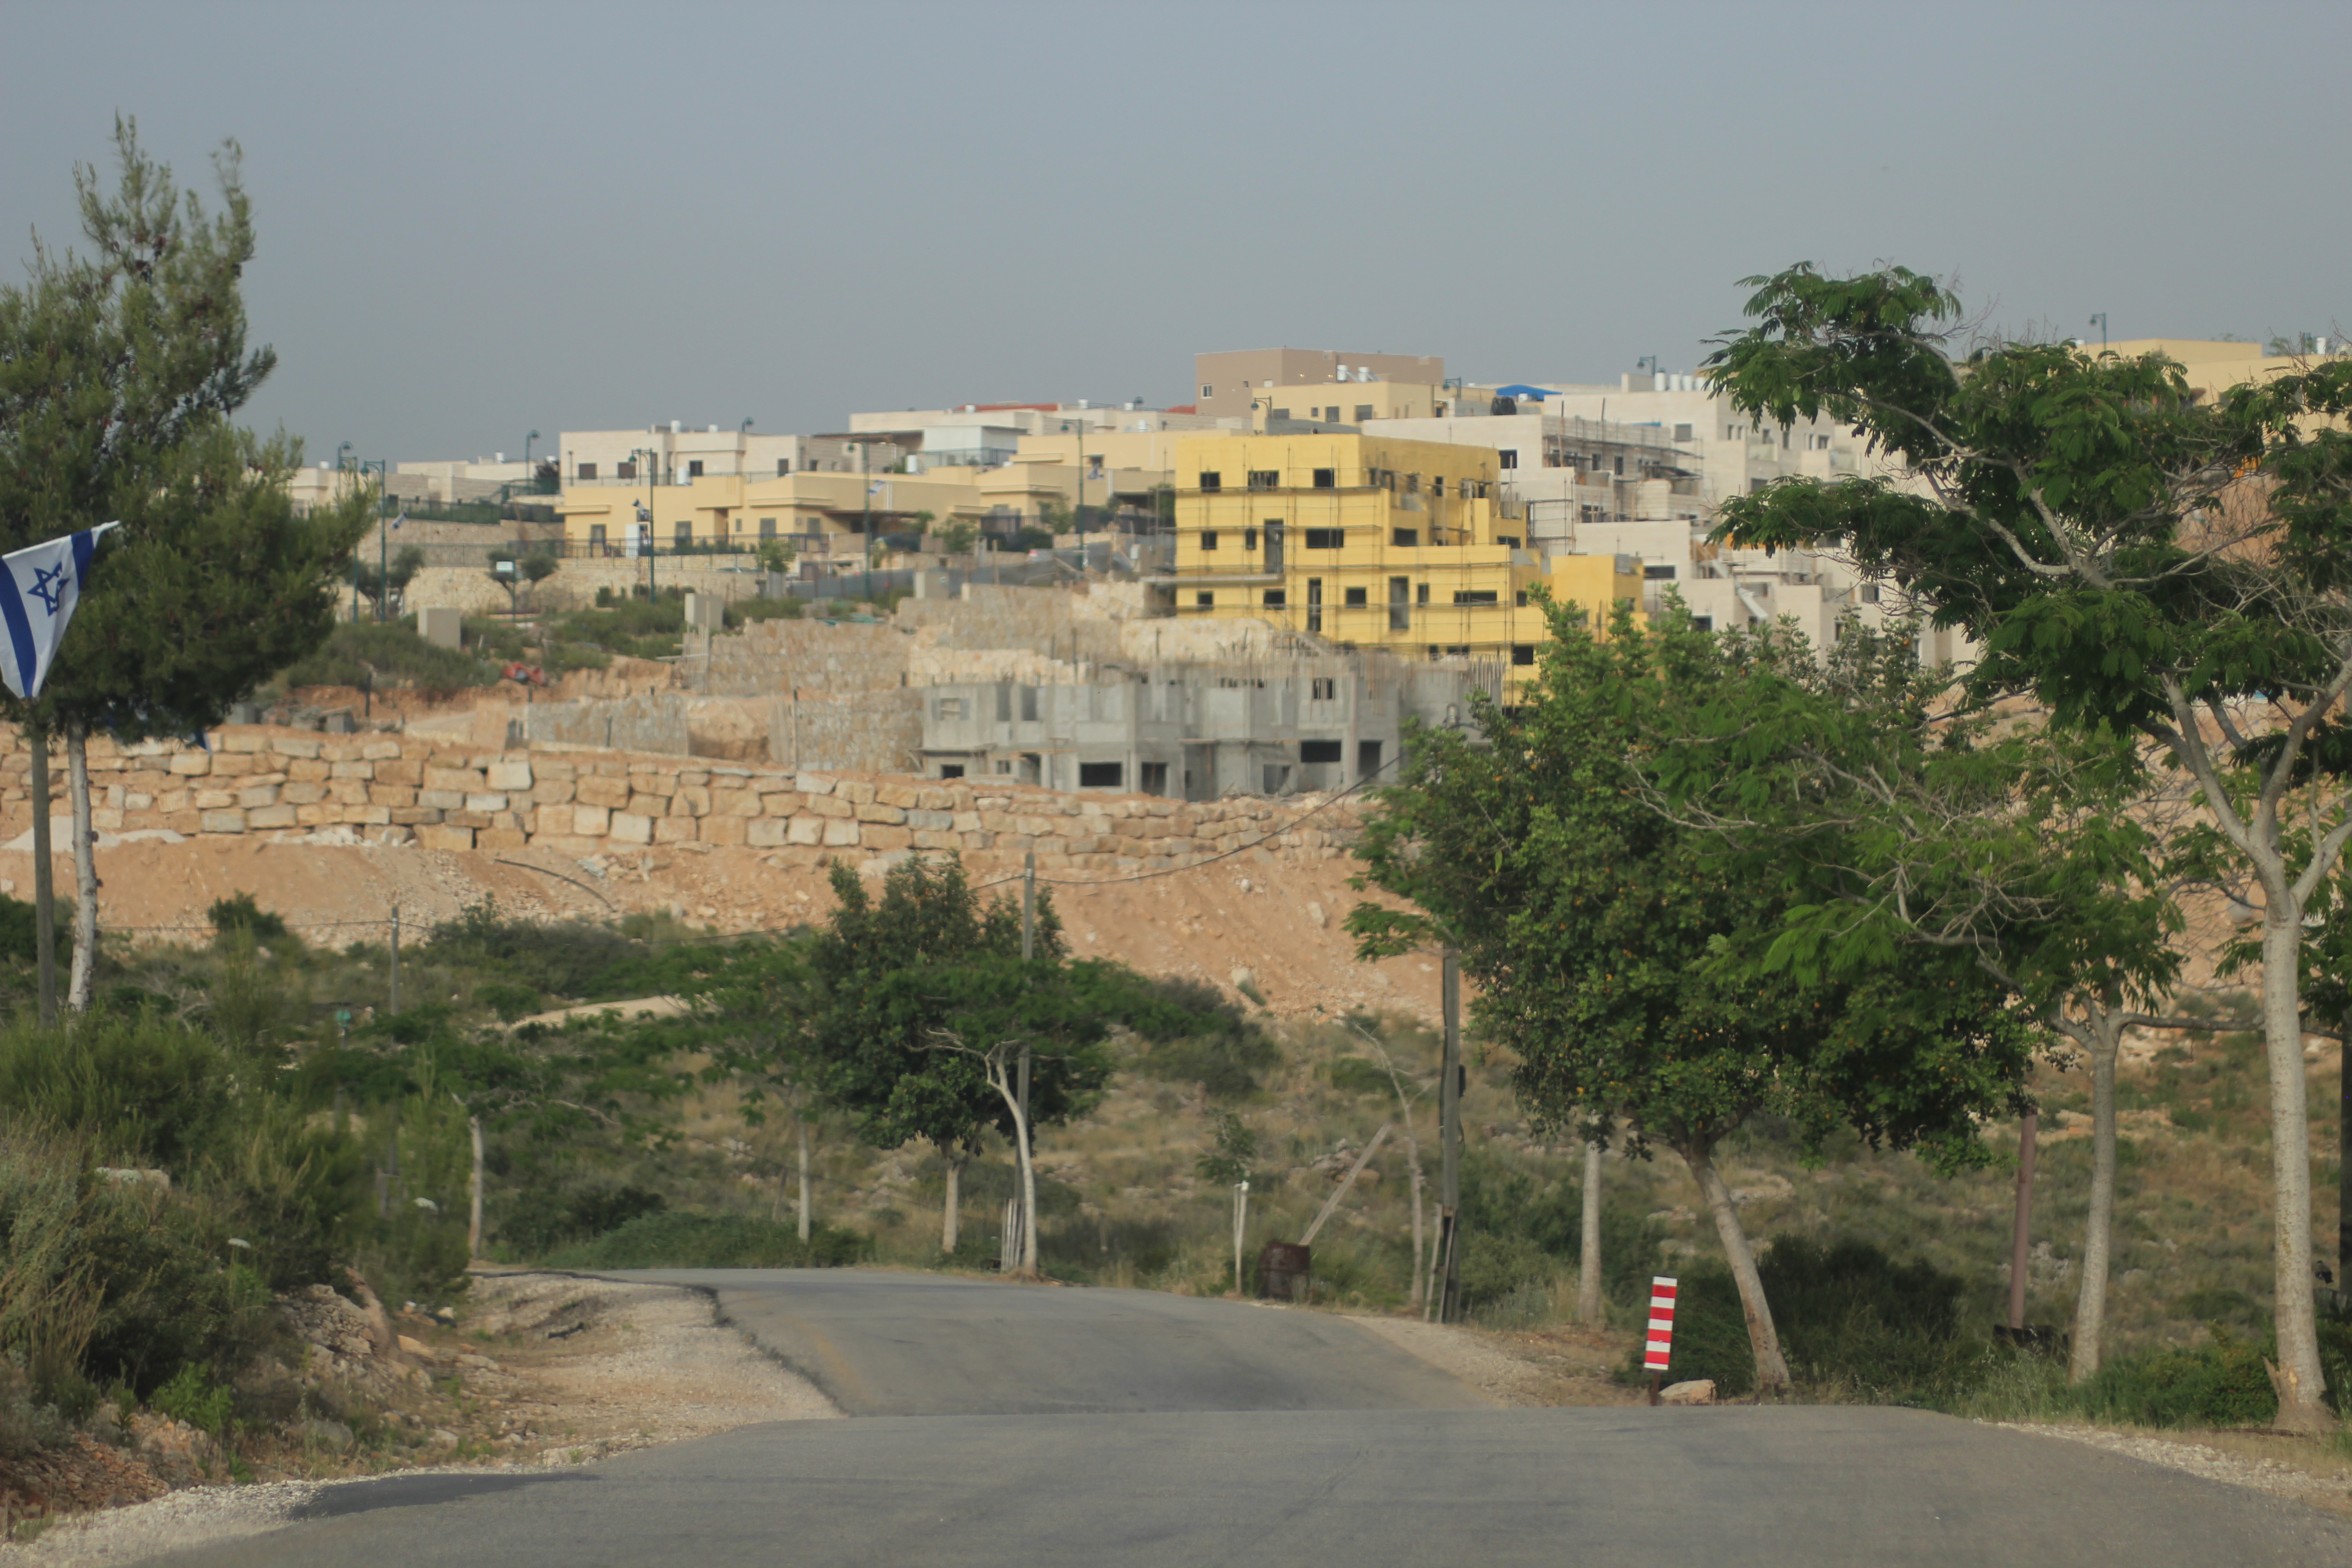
(1523, 390)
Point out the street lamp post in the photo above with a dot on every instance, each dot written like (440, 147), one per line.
(645, 516)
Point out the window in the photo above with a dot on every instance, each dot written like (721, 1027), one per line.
(587, 470)
(1681, 432)
(1520, 598)
(1704, 623)
(1659, 573)
(1208, 539)
(767, 528)
(1211, 480)
(1354, 598)
(627, 470)
(1510, 456)
(949, 708)
(1870, 593)
(1327, 479)
(1421, 593)
(1523, 653)
(596, 536)
(1322, 750)
(784, 466)
(1363, 412)
(1474, 596)
(1155, 778)
(1437, 485)
(1005, 704)
(1322, 689)
(1755, 485)
(950, 769)
(1205, 600)
(694, 469)
(1282, 414)
(1208, 391)
(1029, 704)
(1315, 603)
(1276, 598)
(1399, 604)
(1249, 540)
(684, 533)
(1265, 479)
(1325, 538)
(1101, 775)
(1618, 464)
(1405, 537)
(1510, 541)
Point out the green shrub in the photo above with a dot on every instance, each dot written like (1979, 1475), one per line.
(1852, 1321)
(509, 1002)
(390, 653)
(1518, 1231)
(193, 1397)
(544, 1217)
(1191, 1034)
(240, 914)
(566, 958)
(681, 1240)
(2221, 1383)
(140, 1092)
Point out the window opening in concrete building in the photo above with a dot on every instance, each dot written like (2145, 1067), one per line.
(627, 470)
(1322, 750)
(1277, 779)
(1405, 537)
(1523, 653)
(1249, 539)
(1520, 598)
(683, 534)
(1029, 704)
(1681, 432)
(1421, 593)
(1399, 604)
(1437, 485)
(587, 470)
(1325, 538)
(1208, 539)
(1659, 573)
(596, 536)
(1363, 412)
(1322, 689)
(784, 466)
(1368, 758)
(1704, 623)
(767, 528)
(1315, 603)
(1276, 598)
(1474, 596)
(1004, 764)
(951, 707)
(1032, 768)
(1282, 414)
(1354, 598)
(1508, 540)
(1265, 479)
(1211, 480)
(1205, 600)
(950, 769)
(1004, 705)
(1273, 544)
(1619, 463)
(694, 469)
(1457, 650)
(1155, 777)
(1870, 593)
(1510, 457)
(1327, 478)
(1101, 775)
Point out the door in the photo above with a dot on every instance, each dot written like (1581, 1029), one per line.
(1274, 545)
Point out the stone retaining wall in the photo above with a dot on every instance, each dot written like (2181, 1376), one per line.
(415, 790)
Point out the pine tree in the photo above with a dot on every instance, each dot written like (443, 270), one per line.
(119, 370)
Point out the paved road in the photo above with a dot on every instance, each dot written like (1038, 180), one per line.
(1351, 1455)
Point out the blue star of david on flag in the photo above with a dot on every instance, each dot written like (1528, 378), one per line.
(39, 586)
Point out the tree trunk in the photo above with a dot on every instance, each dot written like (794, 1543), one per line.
(84, 978)
(805, 1179)
(1588, 1263)
(474, 1210)
(952, 1210)
(2297, 1375)
(1771, 1368)
(2098, 1225)
(45, 895)
(1028, 1193)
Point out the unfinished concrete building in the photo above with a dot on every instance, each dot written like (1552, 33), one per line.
(1199, 732)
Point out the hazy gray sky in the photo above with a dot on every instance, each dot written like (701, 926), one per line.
(479, 219)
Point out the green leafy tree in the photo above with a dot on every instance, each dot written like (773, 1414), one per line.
(956, 538)
(2134, 553)
(120, 369)
(1896, 816)
(1622, 963)
(384, 584)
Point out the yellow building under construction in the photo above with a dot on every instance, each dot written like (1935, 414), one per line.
(1411, 546)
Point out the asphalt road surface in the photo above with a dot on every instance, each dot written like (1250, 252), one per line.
(999, 1424)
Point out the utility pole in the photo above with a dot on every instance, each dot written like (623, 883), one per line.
(1449, 1131)
(395, 958)
(45, 934)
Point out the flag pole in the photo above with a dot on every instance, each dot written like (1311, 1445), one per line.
(45, 892)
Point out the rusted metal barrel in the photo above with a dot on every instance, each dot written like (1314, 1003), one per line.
(1283, 1270)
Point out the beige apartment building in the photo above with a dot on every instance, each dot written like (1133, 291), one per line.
(1285, 382)
(673, 454)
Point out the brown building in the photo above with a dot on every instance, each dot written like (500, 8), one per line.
(1230, 382)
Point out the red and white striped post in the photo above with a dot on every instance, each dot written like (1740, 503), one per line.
(1662, 1332)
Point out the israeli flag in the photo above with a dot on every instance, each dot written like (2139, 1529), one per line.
(39, 586)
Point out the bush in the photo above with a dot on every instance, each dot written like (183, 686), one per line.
(546, 1217)
(191, 1396)
(2221, 1383)
(1192, 1035)
(140, 1092)
(388, 653)
(677, 1240)
(1516, 1233)
(1852, 1321)
(568, 958)
(241, 916)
